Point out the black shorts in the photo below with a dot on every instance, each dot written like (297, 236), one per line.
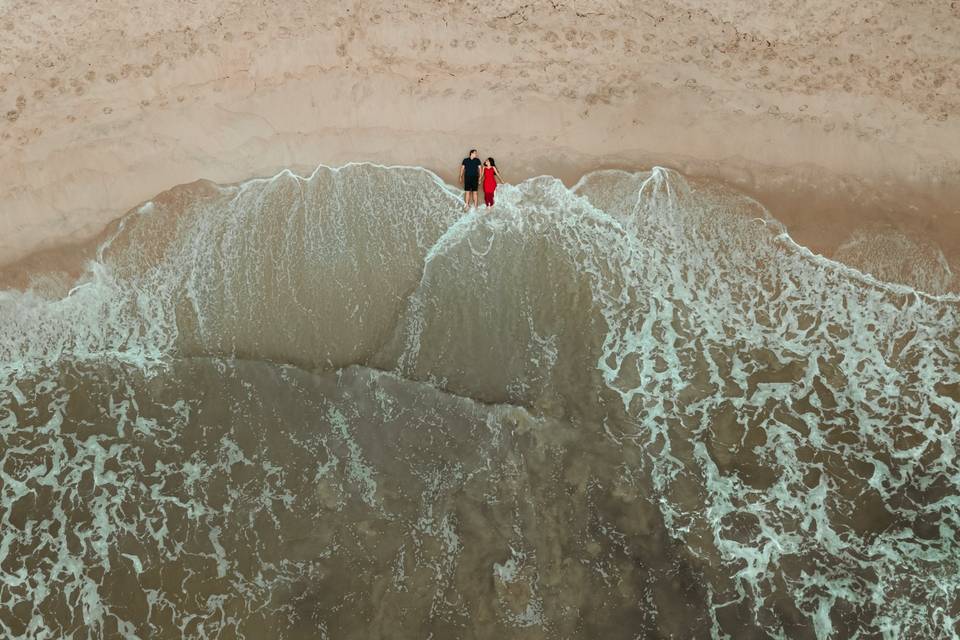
(470, 183)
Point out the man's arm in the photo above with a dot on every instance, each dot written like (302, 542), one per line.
(461, 173)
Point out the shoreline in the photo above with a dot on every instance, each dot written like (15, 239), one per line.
(80, 201)
(791, 200)
(831, 135)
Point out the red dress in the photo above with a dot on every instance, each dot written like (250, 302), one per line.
(489, 179)
(489, 184)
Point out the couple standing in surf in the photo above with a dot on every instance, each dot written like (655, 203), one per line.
(470, 179)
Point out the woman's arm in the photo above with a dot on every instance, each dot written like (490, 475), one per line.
(496, 172)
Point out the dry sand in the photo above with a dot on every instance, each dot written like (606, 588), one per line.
(837, 115)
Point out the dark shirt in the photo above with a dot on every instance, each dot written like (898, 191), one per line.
(471, 167)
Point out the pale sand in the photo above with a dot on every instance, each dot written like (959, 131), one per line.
(838, 116)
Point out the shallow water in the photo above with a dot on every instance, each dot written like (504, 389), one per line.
(338, 406)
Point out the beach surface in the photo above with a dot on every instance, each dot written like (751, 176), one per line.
(841, 118)
(262, 376)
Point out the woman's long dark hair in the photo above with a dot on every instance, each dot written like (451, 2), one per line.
(492, 162)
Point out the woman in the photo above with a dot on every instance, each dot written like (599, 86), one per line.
(491, 176)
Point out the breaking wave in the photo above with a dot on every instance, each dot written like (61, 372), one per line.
(341, 406)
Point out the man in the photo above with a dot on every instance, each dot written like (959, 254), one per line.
(470, 178)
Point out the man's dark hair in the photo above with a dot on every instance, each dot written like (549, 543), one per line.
(472, 151)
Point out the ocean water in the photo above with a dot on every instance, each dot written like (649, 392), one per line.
(338, 406)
